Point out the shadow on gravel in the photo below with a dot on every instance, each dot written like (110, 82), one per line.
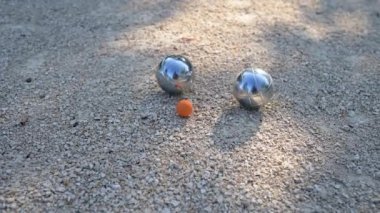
(94, 92)
(336, 67)
(235, 127)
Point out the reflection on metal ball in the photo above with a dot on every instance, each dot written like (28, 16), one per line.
(175, 74)
(253, 88)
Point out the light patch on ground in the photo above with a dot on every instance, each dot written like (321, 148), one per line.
(353, 22)
(239, 4)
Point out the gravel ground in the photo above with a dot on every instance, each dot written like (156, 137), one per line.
(85, 127)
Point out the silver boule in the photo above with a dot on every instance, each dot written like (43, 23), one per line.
(175, 74)
(253, 88)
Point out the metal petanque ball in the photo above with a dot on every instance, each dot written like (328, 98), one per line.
(253, 88)
(175, 74)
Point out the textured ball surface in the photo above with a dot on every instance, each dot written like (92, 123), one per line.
(184, 108)
(175, 74)
(253, 88)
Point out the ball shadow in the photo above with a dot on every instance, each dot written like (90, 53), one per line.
(235, 127)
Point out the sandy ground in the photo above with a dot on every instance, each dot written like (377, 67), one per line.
(85, 127)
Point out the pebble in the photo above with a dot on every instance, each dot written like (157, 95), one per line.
(297, 180)
(61, 189)
(220, 199)
(24, 120)
(175, 203)
(116, 186)
(166, 210)
(144, 116)
(321, 191)
(74, 123)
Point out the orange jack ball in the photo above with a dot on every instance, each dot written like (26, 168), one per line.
(184, 108)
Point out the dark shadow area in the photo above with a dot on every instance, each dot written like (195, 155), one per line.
(235, 127)
(338, 98)
(78, 105)
(39, 27)
(329, 86)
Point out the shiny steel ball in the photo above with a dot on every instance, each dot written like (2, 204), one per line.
(175, 74)
(253, 88)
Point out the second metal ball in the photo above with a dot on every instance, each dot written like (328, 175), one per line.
(253, 88)
(175, 74)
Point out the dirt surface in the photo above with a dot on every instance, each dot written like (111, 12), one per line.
(85, 127)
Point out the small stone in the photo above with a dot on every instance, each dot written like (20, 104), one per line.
(297, 180)
(166, 210)
(75, 124)
(346, 128)
(208, 209)
(321, 191)
(175, 203)
(10, 199)
(351, 113)
(356, 157)
(24, 120)
(148, 210)
(116, 186)
(376, 200)
(220, 199)
(61, 189)
(377, 175)
(259, 201)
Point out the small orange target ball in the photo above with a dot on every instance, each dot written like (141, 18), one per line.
(184, 108)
